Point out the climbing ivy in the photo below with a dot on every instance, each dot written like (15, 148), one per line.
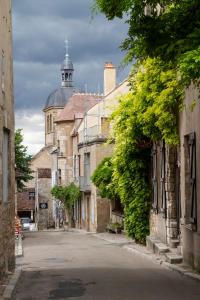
(102, 178)
(148, 113)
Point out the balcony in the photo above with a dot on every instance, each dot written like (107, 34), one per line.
(84, 184)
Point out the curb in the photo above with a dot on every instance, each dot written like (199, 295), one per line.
(9, 290)
(144, 252)
(158, 260)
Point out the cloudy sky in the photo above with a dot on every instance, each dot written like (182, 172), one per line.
(40, 28)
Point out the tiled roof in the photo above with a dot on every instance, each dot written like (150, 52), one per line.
(77, 105)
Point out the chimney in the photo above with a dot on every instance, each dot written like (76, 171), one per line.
(109, 77)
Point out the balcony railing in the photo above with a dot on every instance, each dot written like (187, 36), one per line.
(91, 133)
(84, 184)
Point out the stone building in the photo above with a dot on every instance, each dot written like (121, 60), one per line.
(175, 213)
(92, 212)
(43, 199)
(26, 203)
(7, 171)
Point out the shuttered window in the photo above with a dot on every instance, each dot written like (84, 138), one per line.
(190, 184)
(162, 177)
(154, 178)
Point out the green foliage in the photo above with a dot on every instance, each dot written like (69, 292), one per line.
(22, 161)
(164, 38)
(148, 113)
(189, 66)
(102, 178)
(68, 195)
(169, 29)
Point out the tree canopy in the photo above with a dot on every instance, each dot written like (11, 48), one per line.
(165, 28)
(68, 195)
(22, 161)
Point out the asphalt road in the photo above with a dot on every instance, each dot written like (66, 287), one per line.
(70, 265)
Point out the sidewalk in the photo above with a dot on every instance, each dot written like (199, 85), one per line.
(18, 247)
(137, 249)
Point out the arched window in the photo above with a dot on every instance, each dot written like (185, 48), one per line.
(66, 76)
(70, 76)
(47, 124)
(51, 127)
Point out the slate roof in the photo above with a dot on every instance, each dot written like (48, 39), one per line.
(59, 97)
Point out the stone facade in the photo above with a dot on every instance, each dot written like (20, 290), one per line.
(7, 172)
(93, 213)
(44, 203)
(189, 128)
(26, 203)
(176, 220)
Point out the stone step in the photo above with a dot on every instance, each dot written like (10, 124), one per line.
(150, 241)
(161, 248)
(173, 258)
(174, 243)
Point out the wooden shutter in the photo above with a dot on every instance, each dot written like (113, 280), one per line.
(192, 165)
(154, 178)
(162, 177)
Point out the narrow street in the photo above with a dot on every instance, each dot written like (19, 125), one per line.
(68, 265)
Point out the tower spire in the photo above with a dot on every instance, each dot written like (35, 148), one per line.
(67, 68)
(67, 47)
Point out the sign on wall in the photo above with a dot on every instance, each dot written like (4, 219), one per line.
(43, 205)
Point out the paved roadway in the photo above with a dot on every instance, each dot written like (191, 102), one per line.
(71, 265)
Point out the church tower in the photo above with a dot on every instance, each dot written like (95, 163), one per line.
(57, 100)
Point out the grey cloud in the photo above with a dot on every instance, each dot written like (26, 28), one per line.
(39, 30)
(61, 8)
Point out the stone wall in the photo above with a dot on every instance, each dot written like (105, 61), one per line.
(26, 203)
(7, 201)
(44, 215)
(189, 123)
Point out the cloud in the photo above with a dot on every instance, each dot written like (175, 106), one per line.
(39, 30)
(32, 124)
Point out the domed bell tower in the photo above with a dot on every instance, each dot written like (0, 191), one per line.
(57, 100)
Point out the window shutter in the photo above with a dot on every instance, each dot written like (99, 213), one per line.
(154, 178)
(162, 177)
(192, 164)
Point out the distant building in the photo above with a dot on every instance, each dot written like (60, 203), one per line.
(7, 171)
(91, 212)
(26, 203)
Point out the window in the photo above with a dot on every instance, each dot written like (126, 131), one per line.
(190, 180)
(47, 124)
(51, 125)
(87, 168)
(5, 164)
(154, 178)
(162, 177)
(31, 195)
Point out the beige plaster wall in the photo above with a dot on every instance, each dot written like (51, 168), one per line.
(102, 110)
(189, 122)
(42, 160)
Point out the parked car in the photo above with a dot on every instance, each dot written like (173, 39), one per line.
(25, 223)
